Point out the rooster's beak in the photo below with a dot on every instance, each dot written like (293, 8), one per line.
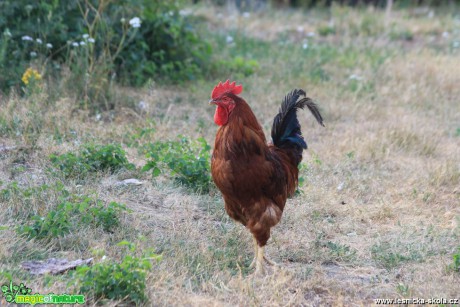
(212, 101)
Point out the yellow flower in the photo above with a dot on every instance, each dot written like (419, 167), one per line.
(30, 73)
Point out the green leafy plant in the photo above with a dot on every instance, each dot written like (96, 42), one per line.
(237, 65)
(326, 30)
(403, 289)
(455, 265)
(188, 162)
(390, 256)
(92, 158)
(341, 252)
(70, 216)
(111, 280)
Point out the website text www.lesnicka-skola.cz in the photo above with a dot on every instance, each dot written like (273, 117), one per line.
(416, 301)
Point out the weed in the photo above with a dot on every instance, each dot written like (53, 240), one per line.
(237, 65)
(141, 134)
(403, 289)
(187, 160)
(336, 251)
(91, 158)
(404, 34)
(70, 216)
(391, 257)
(326, 30)
(341, 252)
(121, 281)
(455, 265)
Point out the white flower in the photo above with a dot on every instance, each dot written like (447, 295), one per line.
(7, 33)
(49, 46)
(27, 38)
(85, 36)
(305, 45)
(246, 14)
(82, 43)
(311, 34)
(91, 40)
(75, 44)
(445, 34)
(135, 22)
(39, 41)
(229, 39)
(300, 29)
(33, 54)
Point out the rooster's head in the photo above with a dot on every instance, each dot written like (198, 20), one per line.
(223, 96)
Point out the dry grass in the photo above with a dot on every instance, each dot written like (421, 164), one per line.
(377, 217)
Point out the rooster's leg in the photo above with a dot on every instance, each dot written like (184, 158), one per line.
(262, 261)
(256, 250)
(260, 265)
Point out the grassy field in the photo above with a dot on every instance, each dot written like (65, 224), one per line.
(377, 214)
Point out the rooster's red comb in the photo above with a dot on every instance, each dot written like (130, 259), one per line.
(226, 87)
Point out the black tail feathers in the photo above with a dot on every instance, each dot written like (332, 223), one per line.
(286, 131)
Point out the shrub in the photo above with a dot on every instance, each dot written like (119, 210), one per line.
(187, 160)
(237, 66)
(125, 280)
(92, 158)
(70, 216)
(101, 42)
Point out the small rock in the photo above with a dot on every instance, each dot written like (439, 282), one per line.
(340, 186)
(355, 77)
(142, 106)
(53, 265)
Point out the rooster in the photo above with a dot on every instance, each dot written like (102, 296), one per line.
(256, 178)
